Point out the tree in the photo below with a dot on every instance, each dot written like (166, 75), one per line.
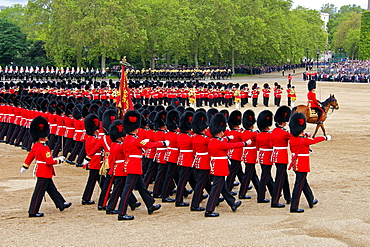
(12, 42)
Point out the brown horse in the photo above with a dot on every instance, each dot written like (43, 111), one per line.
(329, 103)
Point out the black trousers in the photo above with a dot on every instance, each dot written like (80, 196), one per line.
(203, 182)
(68, 146)
(185, 174)
(254, 100)
(249, 175)
(119, 184)
(159, 179)
(52, 139)
(4, 131)
(76, 150)
(81, 155)
(45, 185)
(134, 181)
(299, 186)
(12, 135)
(266, 180)
(234, 168)
(218, 187)
(266, 101)
(106, 190)
(281, 183)
(20, 135)
(278, 100)
(90, 185)
(289, 101)
(152, 168)
(58, 145)
(168, 181)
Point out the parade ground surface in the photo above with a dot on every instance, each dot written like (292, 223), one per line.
(339, 178)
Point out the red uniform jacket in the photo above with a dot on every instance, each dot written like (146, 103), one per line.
(280, 139)
(218, 149)
(312, 101)
(200, 146)
(79, 130)
(172, 153)
(149, 152)
(264, 144)
(70, 129)
(44, 160)
(236, 153)
(250, 152)
(300, 146)
(90, 144)
(133, 146)
(117, 159)
(160, 135)
(185, 144)
(61, 128)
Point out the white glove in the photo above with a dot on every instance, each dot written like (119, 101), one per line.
(23, 169)
(166, 143)
(146, 140)
(328, 137)
(230, 137)
(249, 142)
(61, 158)
(85, 162)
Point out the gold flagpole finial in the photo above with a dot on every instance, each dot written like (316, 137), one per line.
(124, 62)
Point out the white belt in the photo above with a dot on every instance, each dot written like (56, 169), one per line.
(40, 162)
(53, 124)
(79, 131)
(301, 154)
(70, 128)
(173, 149)
(250, 148)
(201, 153)
(135, 156)
(161, 149)
(120, 161)
(11, 114)
(280, 148)
(265, 149)
(97, 154)
(186, 151)
(219, 158)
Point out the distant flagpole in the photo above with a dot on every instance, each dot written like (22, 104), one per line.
(124, 100)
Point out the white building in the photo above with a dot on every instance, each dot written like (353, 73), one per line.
(325, 18)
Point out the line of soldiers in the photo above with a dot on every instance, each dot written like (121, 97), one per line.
(171, 146)
(37, 73)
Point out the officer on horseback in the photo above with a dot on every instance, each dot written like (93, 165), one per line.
(313, 103)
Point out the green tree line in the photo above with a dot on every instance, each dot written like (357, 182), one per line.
(177, 32)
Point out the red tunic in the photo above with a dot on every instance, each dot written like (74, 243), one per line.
(44, 160)
(280, 139)
(250, 152)
(90, 143)
(312, 101)
(149, 152)
(70, 129)
(185, 144)
(117, 159)
(172, 153)
(218, 149)
(200, 146)
(160, 152)
(236, 153)
(301, 146)
(79, 130)
(264, 144)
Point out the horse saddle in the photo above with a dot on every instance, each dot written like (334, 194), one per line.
(313, 113)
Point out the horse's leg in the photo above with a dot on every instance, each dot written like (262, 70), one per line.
(316, 129)
(323, 129)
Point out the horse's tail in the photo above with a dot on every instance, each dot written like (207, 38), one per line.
(294, 109)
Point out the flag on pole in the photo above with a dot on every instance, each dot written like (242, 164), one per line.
(124, 98)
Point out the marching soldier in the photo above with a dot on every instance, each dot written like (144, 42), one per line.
(313, 103)
(44, 169)
(300, 148)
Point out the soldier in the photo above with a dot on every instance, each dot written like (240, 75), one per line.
(133, 165)
(264, 144)
(280, 139)
(44, 170)
(300, 148)
(313, 103)
(255, 94)
(218, 148)
(266, 94)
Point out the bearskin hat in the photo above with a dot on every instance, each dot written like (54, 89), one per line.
(255, 85)
(217, 124)
(145, 115)
(311, 85)
(131, 121)
(160, 119)
(77, 111)
(211, 112)
(249, 119)
(60, 108)
(185, 121)
(39, 128)
(106, 103)
(180, 109)
(282, 114)
(266, 85)
(225, 112)
(235, 119)
(201, 109)
(52, 106)
(151, 119)
(108, 118)
(264, 119)
(172, 120)
(94, 109)
(116, 130)
(151, 108)
(170, 108)
(159, 108)
(297, 124)
(69, 108)
(92, 124)
(200, 122)
(190, 109)
(85, 110)
(137, 106)
(101, 111)
(175, 102)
